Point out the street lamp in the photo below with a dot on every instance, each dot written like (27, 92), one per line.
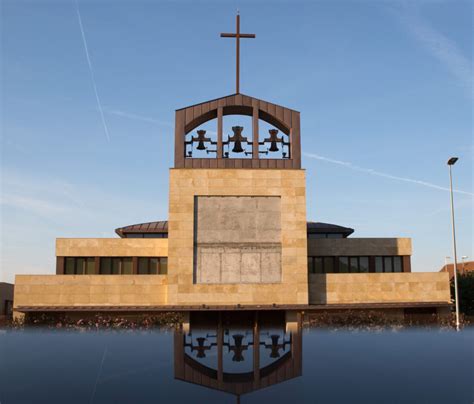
(451, 162)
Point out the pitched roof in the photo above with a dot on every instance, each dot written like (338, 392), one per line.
(231, 97)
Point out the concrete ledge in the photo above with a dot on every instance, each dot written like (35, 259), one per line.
(359, 246)
(379, 288)
(111, 247)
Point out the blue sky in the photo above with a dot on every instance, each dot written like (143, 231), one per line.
(384, 89)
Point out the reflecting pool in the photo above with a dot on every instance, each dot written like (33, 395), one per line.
(245, 358)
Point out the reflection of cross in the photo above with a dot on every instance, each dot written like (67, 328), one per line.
(237, 37)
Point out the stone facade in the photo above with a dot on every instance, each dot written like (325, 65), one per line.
(111, 247)
(287, 184)
(90, 290)
(359, 246)
(422, 287)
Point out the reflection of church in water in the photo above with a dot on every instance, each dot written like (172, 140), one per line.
(238, 353)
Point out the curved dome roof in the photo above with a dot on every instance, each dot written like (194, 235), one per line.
(162, 227)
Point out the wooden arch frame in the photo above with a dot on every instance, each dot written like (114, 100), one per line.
(237, 110)
(285, 119)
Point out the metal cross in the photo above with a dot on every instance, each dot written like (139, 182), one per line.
(237, 36)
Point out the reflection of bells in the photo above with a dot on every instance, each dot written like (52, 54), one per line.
(201, 348)
(273, 145)
(238, 357)
(200, 145)
(238, 136)
(275, 348)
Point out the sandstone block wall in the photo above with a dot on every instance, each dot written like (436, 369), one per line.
(379, 288)
(90, 290)
(359, 246)
(288, 185)
(111, 247)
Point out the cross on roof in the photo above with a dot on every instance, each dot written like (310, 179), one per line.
(237, 37)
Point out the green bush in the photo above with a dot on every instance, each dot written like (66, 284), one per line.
(466, 292)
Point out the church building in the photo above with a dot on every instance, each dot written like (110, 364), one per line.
(237, 236)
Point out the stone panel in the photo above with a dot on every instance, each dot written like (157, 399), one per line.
(353, 246)
(90, 290)
(112, 247)
(246, 227)
(379, 288)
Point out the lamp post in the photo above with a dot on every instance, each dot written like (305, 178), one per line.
(451, 162)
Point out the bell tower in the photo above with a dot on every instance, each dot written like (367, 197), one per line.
(237, 208)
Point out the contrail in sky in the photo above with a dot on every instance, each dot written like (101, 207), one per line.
(99, 105)
(381, 174)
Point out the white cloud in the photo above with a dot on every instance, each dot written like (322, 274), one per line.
(440, 46)
(382, 174)
(136, 117)
(89, 63)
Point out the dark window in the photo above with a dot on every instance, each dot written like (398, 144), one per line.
(79, 266)
(310, 265)
(334, 235)
(378, 264)
(354, 264)
(318, 265)
(116, 266)
(152, 266)
(363, 264)
(316, 235)
(146, 235)
(343, 265)
(397, 264)
(329, 265)
(388, 264)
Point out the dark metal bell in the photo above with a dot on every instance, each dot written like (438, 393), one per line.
(201, 138)
(201, 146)
(273, 147)
(237, 147)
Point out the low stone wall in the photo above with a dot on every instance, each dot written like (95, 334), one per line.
(111, 247)
(90, 290)
(379, 288)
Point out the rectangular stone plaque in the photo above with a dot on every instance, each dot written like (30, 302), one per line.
(237, 239)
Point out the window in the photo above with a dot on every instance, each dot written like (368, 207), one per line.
(378, 264)
(355, 264)
(152, 266)
(116, 266)
(329, 265)
(343, 265)
(79, 266)
(397, 264)
(325, 235)
(388, 264)
(146, 235)
(364, 264)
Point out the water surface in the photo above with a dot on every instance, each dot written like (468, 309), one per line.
(166, 366)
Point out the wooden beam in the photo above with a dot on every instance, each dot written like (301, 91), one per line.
(219, 132)
(255, 140)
